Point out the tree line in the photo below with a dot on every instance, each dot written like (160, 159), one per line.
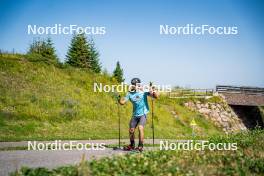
(82, 53)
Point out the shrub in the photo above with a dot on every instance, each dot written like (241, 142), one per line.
(44, 50)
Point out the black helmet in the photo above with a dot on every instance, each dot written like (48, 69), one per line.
(135, 81)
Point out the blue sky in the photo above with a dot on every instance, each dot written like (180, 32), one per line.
(132, 37)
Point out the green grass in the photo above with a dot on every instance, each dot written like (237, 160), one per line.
(247, 160)
(42, 101)
(13, 148)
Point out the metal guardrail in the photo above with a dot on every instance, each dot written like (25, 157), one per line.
(239, 90)
(187, 93)
(203, 93)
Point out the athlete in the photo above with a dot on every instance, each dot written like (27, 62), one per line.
(138, 97)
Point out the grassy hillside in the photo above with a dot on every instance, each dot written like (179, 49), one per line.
(41, 101)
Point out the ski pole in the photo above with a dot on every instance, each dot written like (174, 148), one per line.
(152, 114)
(117, 97)
(119, 132)
(118, 113)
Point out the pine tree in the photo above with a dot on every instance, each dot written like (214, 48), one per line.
(118, 73)
(49, 50)
(94, 58)
(36, 47)
(43, 48)
(78, 54)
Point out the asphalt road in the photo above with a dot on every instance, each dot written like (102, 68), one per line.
(14, 155)
(11, 160)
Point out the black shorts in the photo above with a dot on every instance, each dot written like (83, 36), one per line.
(138, 120)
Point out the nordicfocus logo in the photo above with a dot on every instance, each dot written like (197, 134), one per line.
(99, 87)
(196, 145)
(58, 29)
(64, 145)
(191, 29)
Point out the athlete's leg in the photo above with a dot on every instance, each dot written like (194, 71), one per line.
(141, 125)
(141, 134)
(132, 125)
(132, 136)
